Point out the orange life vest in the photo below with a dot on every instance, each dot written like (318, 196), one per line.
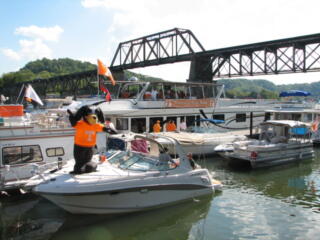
(86, 134)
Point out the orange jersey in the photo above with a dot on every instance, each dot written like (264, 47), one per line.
(156, 127)
(86, 134)
(171, 127)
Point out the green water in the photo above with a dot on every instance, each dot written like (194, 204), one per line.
(275, 203)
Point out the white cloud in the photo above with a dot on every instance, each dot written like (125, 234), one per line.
(43, 33)
(11, 54)
(35, 47)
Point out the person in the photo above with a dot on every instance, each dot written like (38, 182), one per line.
(157, 127)
(154, 94)
(171, 126)
(192, 162)
(147, 95)
(111, 126)
(183, 125)
(86, 123)
(164, 156)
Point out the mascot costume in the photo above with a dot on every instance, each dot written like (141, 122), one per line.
(87, 123)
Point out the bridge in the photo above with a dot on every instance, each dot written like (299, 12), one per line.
(290, 55)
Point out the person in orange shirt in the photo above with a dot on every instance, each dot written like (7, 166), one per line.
(157, 127)
(171, 126)
(86, 122)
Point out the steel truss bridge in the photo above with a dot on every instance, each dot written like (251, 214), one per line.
(290, 55)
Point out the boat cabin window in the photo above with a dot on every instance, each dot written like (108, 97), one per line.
(240, 117)
(307, 117)
(131, 90)
(208, 91)
(196, 92)
(198, 122)
(169, 91)
(183, 92)
(296, 117)
(114, 90)
(154, 92)
(267, 116)
(153, 122)
(122, 124)
(138, 125)
(277, 116)
(218, 117)
(21, 154)
(55, 152)
(171, 124)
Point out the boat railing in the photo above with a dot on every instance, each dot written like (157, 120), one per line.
(41, 170)
(38, 122)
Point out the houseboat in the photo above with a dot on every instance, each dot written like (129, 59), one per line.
(136, 106)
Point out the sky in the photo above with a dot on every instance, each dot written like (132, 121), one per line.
(90, 29)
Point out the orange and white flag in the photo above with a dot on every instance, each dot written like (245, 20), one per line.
(105, 71)
(315, 125)
(31, 95)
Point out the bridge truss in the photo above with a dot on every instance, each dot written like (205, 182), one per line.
(170, 46)
(291, 55)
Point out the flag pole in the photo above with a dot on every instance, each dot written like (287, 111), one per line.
(22, 87)
(98, 80)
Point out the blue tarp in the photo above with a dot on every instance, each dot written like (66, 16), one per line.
(210, 120)
(299, 130)
(294, 93)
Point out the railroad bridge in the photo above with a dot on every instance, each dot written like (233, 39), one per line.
(290, 55)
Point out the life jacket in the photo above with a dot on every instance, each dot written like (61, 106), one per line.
(86, 134)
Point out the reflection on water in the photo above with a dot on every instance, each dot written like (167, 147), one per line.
(173, 222)
(297, 183)
(275, 203)
(17, 223)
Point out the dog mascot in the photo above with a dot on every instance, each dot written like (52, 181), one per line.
(87, 123)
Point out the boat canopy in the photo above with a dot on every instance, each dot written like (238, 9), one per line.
(288, 123)
(294, 93)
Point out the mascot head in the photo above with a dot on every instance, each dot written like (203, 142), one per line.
(92, 116)
(89, 116)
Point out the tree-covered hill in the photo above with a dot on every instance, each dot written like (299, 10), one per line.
(45, 68)
(265, 88)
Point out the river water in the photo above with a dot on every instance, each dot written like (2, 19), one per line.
(275, 203)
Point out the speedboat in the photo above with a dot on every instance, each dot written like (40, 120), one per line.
(129, 180)
(280, 141)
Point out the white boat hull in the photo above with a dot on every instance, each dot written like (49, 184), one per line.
(124, 202)
(271, 156)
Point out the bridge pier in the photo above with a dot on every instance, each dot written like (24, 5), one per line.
(200, 69)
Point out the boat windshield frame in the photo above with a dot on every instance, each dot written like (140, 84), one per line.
(141, 91)
(136, 161)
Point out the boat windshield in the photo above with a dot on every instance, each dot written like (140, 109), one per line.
(160, 91)
(138, 162)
